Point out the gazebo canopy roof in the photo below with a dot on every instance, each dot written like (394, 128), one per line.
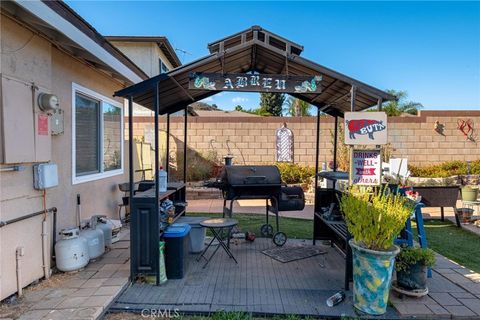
(255, 50)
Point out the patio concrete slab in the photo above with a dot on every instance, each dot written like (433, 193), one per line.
(85, 294)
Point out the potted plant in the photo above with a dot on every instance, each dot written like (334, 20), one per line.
(469, 193)
(411, 264)
(374, 221)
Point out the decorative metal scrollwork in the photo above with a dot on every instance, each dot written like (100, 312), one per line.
(284, 144)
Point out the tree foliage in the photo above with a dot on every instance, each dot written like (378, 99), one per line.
(271, 103)
(297, 108)
(401, 105)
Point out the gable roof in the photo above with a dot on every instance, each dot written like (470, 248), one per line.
(162, 43)
(59, 23)
(257, 50)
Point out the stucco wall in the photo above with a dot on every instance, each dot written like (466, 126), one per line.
(254, 137)
(144, 54)
(48, 67)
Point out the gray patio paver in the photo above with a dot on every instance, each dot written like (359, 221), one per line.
(409, 309)
(33, 314)
(47, 304)
(438, 309)
(445, 299)
(84, 292)
(97, 301)
(108, 291)
(71, 302)
(464, 295)
(472, 304)
(461, 311)
(93, 283)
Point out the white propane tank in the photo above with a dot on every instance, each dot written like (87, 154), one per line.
(71, 251)
(102, 224)
(95, 240)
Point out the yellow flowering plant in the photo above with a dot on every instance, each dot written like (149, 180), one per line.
(375, 219)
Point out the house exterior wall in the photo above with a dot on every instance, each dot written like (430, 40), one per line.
(49, 68)
(144, 54)
(254, 137)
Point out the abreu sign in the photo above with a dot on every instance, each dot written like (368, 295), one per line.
(365, 128)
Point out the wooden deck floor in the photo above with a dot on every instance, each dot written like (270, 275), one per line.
(258, 284)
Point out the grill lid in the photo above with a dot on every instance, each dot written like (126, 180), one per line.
(251, 175)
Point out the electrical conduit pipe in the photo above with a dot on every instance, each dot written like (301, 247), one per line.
(19, 253)
(45, 257)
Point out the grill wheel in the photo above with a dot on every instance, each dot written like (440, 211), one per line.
(279, 238)
(266, 230)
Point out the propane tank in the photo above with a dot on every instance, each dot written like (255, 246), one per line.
(102, 224)
(71, 251)
(95, 240)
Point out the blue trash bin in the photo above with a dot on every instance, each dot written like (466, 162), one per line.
(177, 246)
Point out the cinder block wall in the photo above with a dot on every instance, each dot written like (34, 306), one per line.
(253, 139)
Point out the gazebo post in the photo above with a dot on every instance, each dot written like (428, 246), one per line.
(335, 144)
(157, 182)
(130, 174)
(352, 109)
(167, 164)
(185, 123)
(379, 104)
(317, 153)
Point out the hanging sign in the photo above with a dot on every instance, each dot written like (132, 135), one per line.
(366, 167)
(365, 128)
(255, 82)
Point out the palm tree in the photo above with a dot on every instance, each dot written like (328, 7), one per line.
(297, 107)
(401, 105)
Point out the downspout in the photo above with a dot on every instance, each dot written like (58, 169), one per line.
(19, 253)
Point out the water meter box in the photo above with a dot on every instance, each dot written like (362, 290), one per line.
(177, 245)
(45, 175)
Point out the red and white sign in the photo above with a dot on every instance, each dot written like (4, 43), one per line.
(365, 128)
(42, 125)
(367, 167)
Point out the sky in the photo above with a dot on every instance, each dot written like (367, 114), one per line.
(429, 49)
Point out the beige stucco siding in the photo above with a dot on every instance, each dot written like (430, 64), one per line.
(145, 55)
(50, 68)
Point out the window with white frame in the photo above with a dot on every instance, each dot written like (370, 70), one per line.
(97, 136)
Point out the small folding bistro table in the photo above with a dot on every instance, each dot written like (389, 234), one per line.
(221, 229)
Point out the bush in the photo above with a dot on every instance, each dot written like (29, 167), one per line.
(375, 220)
(446, 169)
(409, 256)
(295, 173)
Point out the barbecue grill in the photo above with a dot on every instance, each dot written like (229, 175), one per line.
(259, 182)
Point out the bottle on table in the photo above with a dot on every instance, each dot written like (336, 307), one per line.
(162, 180)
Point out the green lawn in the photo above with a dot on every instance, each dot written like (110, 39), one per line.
(454, 243)
(294, 228)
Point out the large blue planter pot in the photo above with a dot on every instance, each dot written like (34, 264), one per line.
(372, 275)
